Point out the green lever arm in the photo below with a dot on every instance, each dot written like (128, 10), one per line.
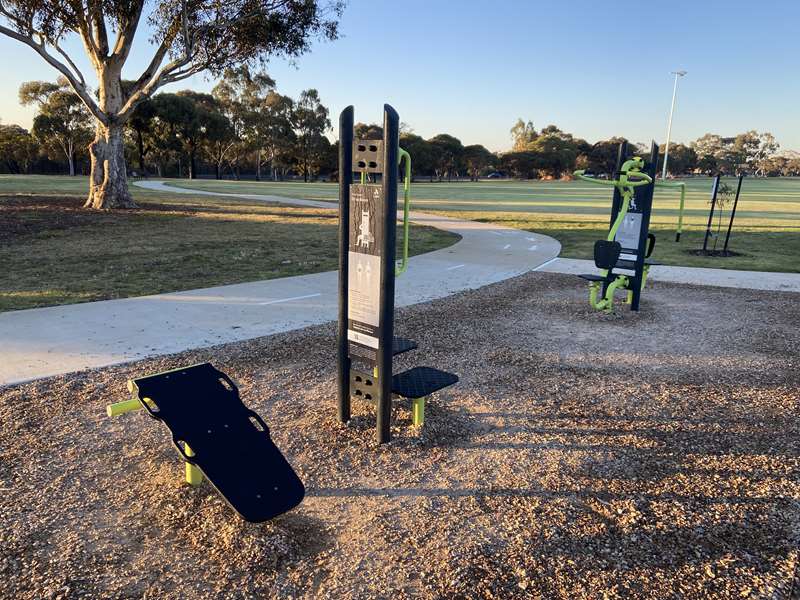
(403, 266)
(625, 184)
(682, 186)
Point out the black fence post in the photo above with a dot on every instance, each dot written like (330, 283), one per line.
(733, 215)
(711, 212)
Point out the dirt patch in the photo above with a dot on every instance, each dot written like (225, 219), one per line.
(715, 253)
(649, 455)
(30, 215)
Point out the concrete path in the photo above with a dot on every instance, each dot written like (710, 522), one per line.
(753, 280)
(49, 341)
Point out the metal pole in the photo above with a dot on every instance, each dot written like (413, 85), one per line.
(669, 125)
(711, 212)
(733, 214)
(391, 148)
(345, 179)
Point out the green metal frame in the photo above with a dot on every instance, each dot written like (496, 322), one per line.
(630, 177)
(403, 266)
(193, 475)
(676, 185)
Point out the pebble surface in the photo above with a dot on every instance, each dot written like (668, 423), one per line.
(582, 455)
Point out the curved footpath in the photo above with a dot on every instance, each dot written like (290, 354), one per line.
(49, 341)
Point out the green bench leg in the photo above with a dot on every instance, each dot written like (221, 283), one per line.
(418, 406)
(193, 475)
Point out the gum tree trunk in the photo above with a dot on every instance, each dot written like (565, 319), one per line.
(108, 181)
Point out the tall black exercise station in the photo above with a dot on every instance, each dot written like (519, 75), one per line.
(630, 243)
(367, 270)
(634, 234)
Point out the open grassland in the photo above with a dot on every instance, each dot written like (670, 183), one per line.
(765, 234)
(55, 252)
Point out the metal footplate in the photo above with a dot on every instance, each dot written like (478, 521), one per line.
(421, 381)
(230, 444)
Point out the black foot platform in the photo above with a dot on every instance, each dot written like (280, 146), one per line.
(590, 277)
(400, 345)
(230, 443)
(421, 381)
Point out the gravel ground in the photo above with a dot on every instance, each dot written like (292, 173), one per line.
(650, 455)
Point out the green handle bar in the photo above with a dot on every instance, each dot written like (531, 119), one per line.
(630, 168)
(682, 186)
(403, 266)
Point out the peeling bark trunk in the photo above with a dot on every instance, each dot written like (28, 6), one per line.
(140, 147)
(108, 181)
(71, 157)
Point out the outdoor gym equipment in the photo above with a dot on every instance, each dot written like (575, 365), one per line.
(219, 438)
(629, 243)
(367, 271)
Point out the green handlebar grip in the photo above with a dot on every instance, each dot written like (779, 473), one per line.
(120, 408)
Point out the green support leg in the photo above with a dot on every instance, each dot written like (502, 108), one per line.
(418, 406)
(193, 475)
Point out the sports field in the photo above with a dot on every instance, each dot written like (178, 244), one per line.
(576, 213)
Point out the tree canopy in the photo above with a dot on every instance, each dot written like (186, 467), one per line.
(189, 37)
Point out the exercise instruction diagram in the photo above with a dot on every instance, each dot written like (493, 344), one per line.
(364, 255)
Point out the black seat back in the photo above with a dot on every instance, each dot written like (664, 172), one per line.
(606, 254)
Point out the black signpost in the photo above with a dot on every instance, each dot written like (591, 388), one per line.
(367, 239)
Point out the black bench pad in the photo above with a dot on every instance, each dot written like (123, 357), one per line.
(631, 265)
(400, 345)
(626, 264)
(201, 407)
(421, 381)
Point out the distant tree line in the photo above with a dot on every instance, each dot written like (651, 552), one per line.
(246, 128)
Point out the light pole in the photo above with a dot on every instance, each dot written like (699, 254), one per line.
(669, 126)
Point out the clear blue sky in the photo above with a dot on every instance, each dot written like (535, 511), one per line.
(472, 68)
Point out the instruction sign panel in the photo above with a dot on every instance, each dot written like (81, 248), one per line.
(364, 275)
(629, 231)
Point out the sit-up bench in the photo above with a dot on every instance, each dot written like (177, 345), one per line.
(220, 439)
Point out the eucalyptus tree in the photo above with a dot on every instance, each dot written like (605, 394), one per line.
(187, 37)
(62, 122)
(274, 130)
(311, 121)
(241, 95)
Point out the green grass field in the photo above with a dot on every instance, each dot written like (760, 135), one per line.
(766, 232)
(54, 252)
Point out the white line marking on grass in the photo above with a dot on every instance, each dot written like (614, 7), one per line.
(543, 265)
(289, 299)
(453, 268)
